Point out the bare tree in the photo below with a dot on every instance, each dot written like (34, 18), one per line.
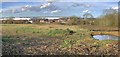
(88, 16)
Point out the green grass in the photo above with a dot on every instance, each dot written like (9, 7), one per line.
(71, 35)
(7, 38)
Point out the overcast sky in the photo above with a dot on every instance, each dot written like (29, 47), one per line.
(20, 8)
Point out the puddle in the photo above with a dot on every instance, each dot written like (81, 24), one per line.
(106, 37)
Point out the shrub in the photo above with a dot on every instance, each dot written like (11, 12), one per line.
(73, 20)
(70, 31)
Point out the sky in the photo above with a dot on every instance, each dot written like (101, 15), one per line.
(60, 0)
(22, 8)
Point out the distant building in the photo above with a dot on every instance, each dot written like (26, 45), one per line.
(4, 18)
(47, 19)
(1, 19)
(50, 18)
(21, 18)
(13, 20)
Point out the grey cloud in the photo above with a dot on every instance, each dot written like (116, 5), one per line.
(55, 11)
(83, 5)
(86, 11)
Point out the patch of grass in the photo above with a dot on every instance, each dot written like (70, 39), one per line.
(104, 42)
(34, 30)
(66, 43)
(57, 32)
(76, 39)
(7, 38)
(60, 32)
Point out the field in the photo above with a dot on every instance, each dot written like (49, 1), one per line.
(55, 39)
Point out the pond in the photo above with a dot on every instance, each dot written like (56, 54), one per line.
(106, 37)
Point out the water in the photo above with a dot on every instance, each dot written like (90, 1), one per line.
(106, 37)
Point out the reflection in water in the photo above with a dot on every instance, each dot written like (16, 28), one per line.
(106, 37)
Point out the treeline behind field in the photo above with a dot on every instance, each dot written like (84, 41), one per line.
(108, 20)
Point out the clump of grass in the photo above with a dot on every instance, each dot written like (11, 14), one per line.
(7, 38)
(51, 27)
(60, 32)
(70, 31)
(66, 43)
(57, 32)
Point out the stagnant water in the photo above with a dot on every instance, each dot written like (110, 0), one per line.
(106, 37)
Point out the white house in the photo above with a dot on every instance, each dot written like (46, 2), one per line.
(1, 19)
(16, 18)
(52, 18)
(21, 18)
(28, 19)
(4, 18)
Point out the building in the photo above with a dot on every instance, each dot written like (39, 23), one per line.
(47, 20)
(52, 18)
(22, 19)
(13, 20)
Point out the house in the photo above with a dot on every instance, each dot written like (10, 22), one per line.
(4, 18)
(47, 20)
(50, 19)
(13, 20)
(22, 19)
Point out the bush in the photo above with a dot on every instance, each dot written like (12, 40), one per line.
(70, 31)
(73, 20)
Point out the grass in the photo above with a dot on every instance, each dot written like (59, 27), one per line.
(7, 38)
(33, 30)
(70, 36)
